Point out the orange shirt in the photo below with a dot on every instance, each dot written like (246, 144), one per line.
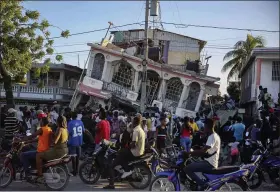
(44, 139)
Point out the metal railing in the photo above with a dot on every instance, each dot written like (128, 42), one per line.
(116, 89)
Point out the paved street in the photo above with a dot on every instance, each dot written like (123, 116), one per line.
(76, 184)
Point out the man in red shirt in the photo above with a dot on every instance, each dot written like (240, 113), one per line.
(102, 128)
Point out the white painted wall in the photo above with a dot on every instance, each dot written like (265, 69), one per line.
(266, 78)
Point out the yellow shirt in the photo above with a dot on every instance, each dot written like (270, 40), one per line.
(194, 126)
(149, 124)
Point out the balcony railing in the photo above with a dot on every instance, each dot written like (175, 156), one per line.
(35, 90)
(116, 89)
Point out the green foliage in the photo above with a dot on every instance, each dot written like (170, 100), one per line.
(242, 50)
(234, 91)
(25, 39)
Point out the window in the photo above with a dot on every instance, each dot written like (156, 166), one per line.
(123, 75)
(275, 70)
(174, 89)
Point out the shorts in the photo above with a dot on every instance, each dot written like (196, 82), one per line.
(75, 150)
(234, 152)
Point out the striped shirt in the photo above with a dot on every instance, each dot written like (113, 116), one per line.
(11, 126)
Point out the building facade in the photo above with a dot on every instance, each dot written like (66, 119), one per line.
(56, 85)
(176, 48)
(115, 74)
(261, 69)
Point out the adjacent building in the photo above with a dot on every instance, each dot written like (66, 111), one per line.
(261, 69)
(56, 85)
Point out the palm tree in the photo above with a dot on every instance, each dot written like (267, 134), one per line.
(242, 50)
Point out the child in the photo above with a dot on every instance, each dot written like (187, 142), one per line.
(234, 152)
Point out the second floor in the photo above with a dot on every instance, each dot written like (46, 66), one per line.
(262, 69)
(59, 75)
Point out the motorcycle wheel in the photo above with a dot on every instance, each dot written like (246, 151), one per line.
(4, 171)
(162, 181)
(141, 171)
(234, 185)
(64, 177)
(89, 173)
(257, 177)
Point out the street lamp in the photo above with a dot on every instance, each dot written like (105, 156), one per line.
(206, 65)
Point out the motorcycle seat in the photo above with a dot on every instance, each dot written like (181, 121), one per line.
(223, 170)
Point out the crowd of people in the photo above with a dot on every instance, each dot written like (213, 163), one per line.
(61, 131)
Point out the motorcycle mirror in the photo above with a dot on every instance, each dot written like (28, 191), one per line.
(247, 134)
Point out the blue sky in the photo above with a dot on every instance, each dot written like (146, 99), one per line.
(79, 16)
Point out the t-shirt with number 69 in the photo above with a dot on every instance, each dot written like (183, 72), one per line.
(75, 129)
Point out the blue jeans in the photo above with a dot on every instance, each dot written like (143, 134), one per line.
(26, 158)
(197, 167)
(186, 143)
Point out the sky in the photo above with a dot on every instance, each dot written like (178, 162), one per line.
(80, 16)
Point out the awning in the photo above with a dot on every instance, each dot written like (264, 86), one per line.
(93, 92)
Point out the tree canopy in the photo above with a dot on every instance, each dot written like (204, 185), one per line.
(234, 91)
(24, 39)
(242, 50)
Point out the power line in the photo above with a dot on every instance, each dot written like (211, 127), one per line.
(97, 30)
(216, 27)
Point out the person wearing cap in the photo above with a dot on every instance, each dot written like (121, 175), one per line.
(11, 124)
(144, 126)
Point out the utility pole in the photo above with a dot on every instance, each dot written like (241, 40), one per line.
(145, 61)
(110, 24)
(78, 60)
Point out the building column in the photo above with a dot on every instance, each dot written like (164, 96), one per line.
(184, 95)
(201, 94)
(104, 75)
(61, 79)
(135, 82)
(162, 90)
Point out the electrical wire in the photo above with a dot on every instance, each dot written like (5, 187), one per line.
(216, 27)
(97, 30)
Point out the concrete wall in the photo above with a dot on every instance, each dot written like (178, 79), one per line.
(266, 78)
(180, 57)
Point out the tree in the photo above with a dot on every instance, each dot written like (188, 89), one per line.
(242, 50)
(23, 40)
(234, 91)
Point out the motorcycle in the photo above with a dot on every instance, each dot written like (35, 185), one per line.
(265, 163)
(216, 179)
(54, 171)
(97, 166)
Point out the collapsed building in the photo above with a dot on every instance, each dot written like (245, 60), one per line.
(176, 78)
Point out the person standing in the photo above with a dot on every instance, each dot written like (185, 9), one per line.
(20, 114)
(186, 132)
(11, 124)
(238, 129)
(161, 135)
(76, 130)
(102, 128)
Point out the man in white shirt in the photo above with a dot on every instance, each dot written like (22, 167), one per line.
(54, 115)
(210, 152)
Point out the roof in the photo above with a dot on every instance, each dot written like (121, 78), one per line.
(60, 66)
(259, 51)
(132, 30)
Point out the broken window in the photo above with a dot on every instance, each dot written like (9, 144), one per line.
(123, 74)
(174, 89)
(98, 66)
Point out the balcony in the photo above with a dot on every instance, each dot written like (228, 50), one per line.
(35, 93)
